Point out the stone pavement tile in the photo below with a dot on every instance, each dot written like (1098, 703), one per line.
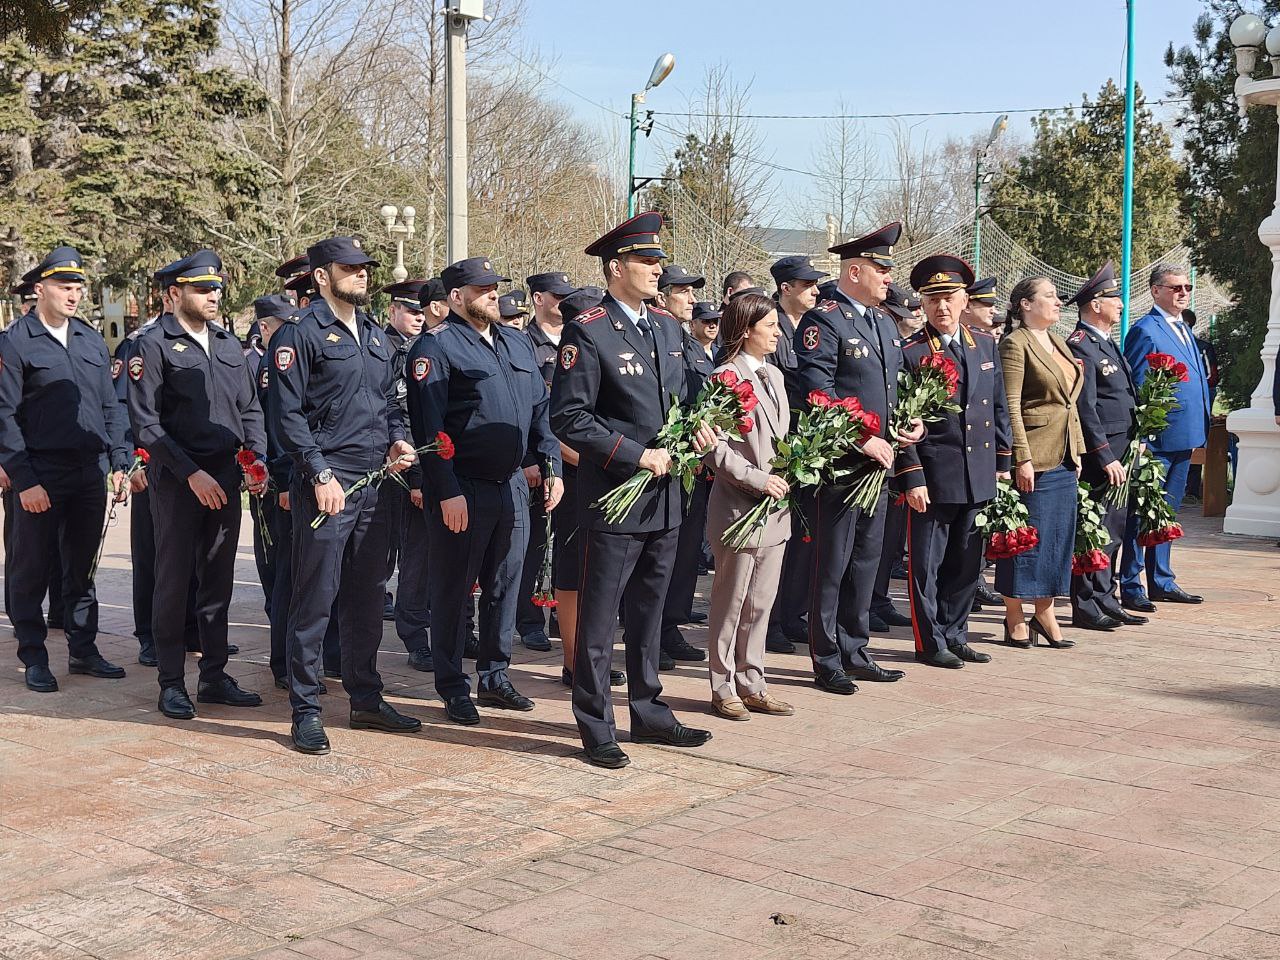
(1026, 858)
(1047, 938)
(1101, 796)
(1240, 943)
(423, 921)
(958, 738)
(999, 812)
(317, 948)
(1248, 888)
(290, 903)
(1189, 922)
(711, 861)
(21, 943)
(982, 884)
(1158, 746)
(1031, 826)
(952, 902)
(897, 883)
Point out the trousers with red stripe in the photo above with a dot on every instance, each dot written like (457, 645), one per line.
(944, 561)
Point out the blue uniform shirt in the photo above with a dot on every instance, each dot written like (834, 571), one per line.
(490, 399)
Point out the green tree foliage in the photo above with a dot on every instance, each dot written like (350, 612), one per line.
(41, 23)
(1063, 198)
(1227, 189)
(116, 140)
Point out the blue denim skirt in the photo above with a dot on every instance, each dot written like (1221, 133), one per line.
(1045, 569)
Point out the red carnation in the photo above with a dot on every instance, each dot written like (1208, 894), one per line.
(728, 378)
(446, 449)
(142, 455)
(246, 458)
(745, 425)
(818, 398)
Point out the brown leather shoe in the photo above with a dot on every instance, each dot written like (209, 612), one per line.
(768, 703)
(731, 709)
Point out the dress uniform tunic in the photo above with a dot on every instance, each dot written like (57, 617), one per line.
(333, 408)
(60, 427)
(491, 400)
(192, 411)
(957, 462)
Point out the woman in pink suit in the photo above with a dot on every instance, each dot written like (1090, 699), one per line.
(746, 581)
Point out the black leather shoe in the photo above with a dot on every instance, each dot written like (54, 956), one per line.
(875, 674)
(309, 736)
(899, 572)
(608, 755)
(389, 609)
(678, 648)
(966, 652)
(506, 697)
(147, 654)
(664, 661)
(1104, 623)
(976, 606)
(282, 683)
(1139, 603)
(875, 623)
(893, 618)
(988, 596)
(616, 678)
(1176, 595)
(332, 674)
(779, 645)
(677, 736)
(421, 660)
(232, 649)
(697, 616)
(386, 717)
(471, 648)
(462, 710)
(1128, 619)
(940, 658)
(176, 704)
(41, 679)
(226, 690)
(55, 621)
(537, 640)
(837, 682)
(95, 665)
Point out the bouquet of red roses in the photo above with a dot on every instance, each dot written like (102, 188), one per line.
(140, 460)
(442, 446)
(1157, 398)
(1092, 535)
(1157, 520)
(925, 393)
(724, 403)
(255, 474)
(824, 433)
(1004, 523)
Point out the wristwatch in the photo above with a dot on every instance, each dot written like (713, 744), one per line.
(324, 476)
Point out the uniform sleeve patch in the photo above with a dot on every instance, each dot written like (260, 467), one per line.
(810, 338)
(284, 358)
(421, 367)
(117, 368)
(135, 369)
(568, 356)
(595, 313)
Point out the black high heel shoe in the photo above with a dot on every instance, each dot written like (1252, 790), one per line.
(1021, 644)
(1036, 628)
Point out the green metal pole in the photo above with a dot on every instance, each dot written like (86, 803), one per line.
(1126, 242)
(977, 216)
(636, 98)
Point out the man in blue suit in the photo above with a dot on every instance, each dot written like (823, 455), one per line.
(1163, 331)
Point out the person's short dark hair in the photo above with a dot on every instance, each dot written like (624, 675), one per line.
(733, 278)
(1162, 270)
(1189, 317)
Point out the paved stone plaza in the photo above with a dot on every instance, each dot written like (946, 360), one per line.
(1118, 800)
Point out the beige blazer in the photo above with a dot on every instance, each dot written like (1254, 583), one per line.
(1042, 404)
(742, 466)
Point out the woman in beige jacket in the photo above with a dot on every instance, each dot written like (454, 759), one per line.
(746, 581)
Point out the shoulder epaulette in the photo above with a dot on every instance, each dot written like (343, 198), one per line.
(595, 313)
(826, 306)
(435, 331)
(1077, 337)
(661, 312)
(981, 333)
(918, 337)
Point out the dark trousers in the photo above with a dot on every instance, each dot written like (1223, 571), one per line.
(846, 556)
(895, 540)
(282, 591)
(531, 619)
(1093, 595)
(391, 501)
(944, 561)
(262, 512)
(791, 607)
(191, 538)
(678, 606)
(339, 567)
(69, 529)
(142, 553)
(634, 569)
(413, 594)
(11, 504)
(1155, 561)
(491, 552)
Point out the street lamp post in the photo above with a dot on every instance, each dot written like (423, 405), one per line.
(1255, 506)
(399, 225)
(980, 177)
(661, 69)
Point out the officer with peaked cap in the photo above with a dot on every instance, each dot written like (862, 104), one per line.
(848, 347)
(435, 304)
(950, 475)
(546, 290)
(193, 408)
(477, 382)
(980, 313)
(1106, 408)
(332, 407)
(620, 365)
(511, 311)
(61, 431)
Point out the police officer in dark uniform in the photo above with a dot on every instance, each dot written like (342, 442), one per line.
(848, 347)
(546, 291)
(1106, 408)
(511, 310)
(61, 429)
(619, 366)
(477, 381)
(193, 407)
(950, 475)
(980, 314)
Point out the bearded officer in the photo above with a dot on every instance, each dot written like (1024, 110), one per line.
(848, 347)
(620, 364)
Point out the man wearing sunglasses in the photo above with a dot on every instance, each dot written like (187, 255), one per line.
(1163, 330)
